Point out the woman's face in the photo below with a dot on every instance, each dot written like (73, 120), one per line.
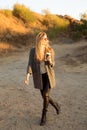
(44, 40)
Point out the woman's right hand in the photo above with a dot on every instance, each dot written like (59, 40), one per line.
(26, 82)
(27, 79)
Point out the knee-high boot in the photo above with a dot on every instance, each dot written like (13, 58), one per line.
(43, 118)
(55, 105)
(44, 111)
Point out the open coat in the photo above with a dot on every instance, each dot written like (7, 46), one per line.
(34, 69)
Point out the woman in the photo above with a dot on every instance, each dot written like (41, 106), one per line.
(40, 65)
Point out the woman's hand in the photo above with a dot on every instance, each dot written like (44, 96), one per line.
(48, 58)
(26, 82)
(27, 79)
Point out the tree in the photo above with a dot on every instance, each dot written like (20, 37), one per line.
(46, 11)
(84, 16)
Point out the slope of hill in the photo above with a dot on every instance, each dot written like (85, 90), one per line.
(15, 33)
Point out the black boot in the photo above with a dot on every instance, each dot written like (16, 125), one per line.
(55, 105)
(45, 108)
(43, 119)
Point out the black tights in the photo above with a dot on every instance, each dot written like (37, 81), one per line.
(46, 99)
(45, 92)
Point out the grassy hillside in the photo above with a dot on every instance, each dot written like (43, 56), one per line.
(19, 27)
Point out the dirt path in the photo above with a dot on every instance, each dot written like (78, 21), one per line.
(20, 106)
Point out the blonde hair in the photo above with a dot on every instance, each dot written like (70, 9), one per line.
(39, 42)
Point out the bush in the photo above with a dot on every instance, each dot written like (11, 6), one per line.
(76, 36)
(55, 24)
(80, 29)
(84, 30)
(23, 13)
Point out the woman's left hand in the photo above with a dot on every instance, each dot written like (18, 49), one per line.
(49, 58)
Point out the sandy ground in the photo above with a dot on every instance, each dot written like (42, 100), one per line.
(21, 106)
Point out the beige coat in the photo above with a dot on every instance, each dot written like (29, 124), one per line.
(34, 69)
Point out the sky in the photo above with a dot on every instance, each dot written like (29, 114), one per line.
(74, 8)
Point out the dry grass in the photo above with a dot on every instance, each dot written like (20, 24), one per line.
(12, 23)
(4, 47)
(15, 31)
(11, 27)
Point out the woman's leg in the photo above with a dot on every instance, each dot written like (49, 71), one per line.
(55, 105)
(46, 99)
(45, 95)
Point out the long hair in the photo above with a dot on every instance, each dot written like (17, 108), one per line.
(39, 43)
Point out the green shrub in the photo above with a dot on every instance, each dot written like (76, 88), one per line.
(80, 29)
(45, 22)
(55, 24)
(84, 32)
(77, 27)
(23, 13)
(36, 31)
(53, 32)
(76, 36)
